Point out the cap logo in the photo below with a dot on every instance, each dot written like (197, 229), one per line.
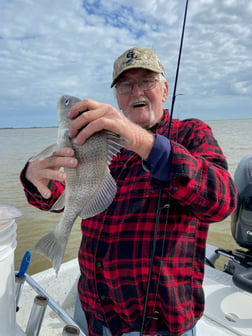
(131, 55)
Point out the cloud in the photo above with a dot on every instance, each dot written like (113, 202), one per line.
(48, 48)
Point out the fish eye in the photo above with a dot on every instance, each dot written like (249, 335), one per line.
(67, 101)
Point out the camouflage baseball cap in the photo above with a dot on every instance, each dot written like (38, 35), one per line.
(137, 58)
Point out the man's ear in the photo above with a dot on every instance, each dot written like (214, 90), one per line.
(165, 92)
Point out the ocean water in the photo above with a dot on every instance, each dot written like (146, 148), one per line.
(18, 145)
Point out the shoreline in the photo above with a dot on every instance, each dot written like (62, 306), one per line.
(32, 127)
(56, 126)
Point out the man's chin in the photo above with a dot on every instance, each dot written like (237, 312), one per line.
(143, 123)
(140, 117)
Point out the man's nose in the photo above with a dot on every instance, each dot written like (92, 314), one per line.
(136, 90)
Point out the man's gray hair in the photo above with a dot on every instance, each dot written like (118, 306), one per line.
(162, 78)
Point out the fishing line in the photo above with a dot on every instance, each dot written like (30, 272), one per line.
(160, 191)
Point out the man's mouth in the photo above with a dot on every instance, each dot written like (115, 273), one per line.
(140, 104)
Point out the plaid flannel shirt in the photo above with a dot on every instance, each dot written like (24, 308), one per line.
(117, 244)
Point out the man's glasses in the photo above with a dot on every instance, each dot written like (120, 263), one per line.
(145, 84)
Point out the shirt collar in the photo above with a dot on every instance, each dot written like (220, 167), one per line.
(158, 126)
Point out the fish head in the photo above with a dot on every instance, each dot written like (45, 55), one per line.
(64, 104)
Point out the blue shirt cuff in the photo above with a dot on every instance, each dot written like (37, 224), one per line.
(158, 163)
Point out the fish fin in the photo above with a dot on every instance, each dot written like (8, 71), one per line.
(53, 248)
(60, 203)
(115, 144)
(102, 200)
(44, 153)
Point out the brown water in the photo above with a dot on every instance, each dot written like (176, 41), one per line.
(17, 145)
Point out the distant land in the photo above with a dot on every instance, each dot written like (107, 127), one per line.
(205, 120)
(29, 127)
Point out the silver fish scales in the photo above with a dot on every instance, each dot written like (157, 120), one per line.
(89, 187)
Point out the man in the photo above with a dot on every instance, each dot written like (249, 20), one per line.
(180, 183)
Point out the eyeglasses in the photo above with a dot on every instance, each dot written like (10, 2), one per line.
(145, 83)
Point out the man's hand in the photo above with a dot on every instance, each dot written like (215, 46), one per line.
(40, 172)
(106, 117)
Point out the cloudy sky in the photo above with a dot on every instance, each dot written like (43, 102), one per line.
(52, 47)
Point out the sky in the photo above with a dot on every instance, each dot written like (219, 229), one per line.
(52, 48)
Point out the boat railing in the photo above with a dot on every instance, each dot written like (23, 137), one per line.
(38, 309)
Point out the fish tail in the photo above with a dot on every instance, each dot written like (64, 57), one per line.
(53, 248)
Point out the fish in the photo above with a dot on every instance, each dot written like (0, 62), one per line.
(89, 187)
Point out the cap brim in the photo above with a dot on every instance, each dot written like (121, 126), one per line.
(134, 66)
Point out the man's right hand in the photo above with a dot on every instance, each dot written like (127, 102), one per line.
(40, 172)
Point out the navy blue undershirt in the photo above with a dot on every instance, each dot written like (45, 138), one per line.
(158, 163)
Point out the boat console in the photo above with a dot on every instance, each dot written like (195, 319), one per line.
(239, 263)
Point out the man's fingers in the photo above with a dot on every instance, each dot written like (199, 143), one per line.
(86, 104)
(84, 113)
(55, 162)
(92, 128)
(64, 151)
(50, 174)
(42, 179)
(39, 173)
(81, 121)
(44, 191)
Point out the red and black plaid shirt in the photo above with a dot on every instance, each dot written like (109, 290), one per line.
(117, 244)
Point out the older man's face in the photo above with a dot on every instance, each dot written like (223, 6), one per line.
(144, 107)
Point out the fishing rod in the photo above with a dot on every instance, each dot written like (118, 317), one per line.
(160, 192)
(177, 71)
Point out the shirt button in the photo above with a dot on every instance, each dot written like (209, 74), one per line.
(99, 264)
(175, 189)
(102, 297)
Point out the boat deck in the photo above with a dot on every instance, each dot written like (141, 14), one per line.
(227, 313)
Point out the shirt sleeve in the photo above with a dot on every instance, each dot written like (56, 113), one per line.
(199, 179)
(35, 198)
(158, 163)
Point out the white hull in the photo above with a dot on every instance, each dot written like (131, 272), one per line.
(228, 309)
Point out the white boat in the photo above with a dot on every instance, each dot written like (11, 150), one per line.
(227, 312)
(228, 293)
